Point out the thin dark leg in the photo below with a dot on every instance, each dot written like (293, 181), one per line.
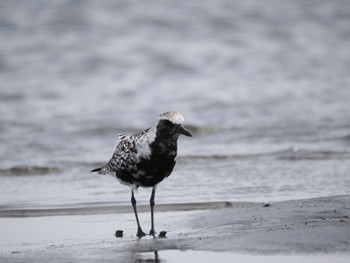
(140, 233)
(152, 232)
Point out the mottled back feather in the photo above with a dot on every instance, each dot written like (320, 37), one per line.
(147, 157)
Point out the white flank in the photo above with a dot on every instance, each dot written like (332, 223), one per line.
(143, 144)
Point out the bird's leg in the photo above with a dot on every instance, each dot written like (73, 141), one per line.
(152, 232)
(140, 233)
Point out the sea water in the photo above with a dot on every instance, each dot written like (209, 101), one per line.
(264, 87)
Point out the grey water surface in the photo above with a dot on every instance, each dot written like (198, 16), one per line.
(264, 87)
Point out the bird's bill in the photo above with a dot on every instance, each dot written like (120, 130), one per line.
(183, 131)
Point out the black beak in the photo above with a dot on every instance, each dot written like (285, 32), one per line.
(183, 131)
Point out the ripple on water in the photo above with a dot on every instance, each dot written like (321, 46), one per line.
(29, 170)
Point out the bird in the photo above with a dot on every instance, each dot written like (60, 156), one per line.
(146, 158)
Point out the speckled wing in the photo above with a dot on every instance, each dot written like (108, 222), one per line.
(123, 157)
(129, 152)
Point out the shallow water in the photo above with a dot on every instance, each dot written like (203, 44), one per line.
(206, 256)
(264, 87)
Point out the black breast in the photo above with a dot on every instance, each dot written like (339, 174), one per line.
(162, 159)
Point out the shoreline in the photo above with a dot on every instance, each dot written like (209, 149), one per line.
(308, 226)
(111, 209)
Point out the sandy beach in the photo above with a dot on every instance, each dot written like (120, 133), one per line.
(310, 229)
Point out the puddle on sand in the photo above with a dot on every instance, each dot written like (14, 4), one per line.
(171, 256)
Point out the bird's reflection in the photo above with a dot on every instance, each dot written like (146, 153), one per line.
(148, 257)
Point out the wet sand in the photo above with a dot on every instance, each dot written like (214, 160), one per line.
(310, 227)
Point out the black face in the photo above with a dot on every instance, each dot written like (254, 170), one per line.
(167, 127)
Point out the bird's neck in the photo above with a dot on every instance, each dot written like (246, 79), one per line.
(165, 142)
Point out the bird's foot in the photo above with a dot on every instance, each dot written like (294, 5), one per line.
(152, 232)
(140, 233)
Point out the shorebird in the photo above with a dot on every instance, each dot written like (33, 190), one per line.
(146, 158)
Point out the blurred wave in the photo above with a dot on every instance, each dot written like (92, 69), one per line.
(29, 170)
(288, 154)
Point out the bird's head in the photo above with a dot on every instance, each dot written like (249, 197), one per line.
(172, 122)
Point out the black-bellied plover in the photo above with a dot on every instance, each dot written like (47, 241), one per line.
(146, 158)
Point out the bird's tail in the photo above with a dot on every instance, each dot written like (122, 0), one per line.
(100, 170)
(96, 170)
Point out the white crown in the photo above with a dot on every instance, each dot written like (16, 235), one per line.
(172, 116)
